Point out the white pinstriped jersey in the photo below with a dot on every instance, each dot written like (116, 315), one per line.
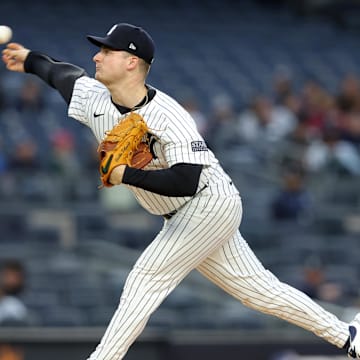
(170, 125)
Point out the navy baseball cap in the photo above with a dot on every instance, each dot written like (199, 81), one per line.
(127, 37)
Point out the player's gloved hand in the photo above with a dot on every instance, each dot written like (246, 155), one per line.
(14, 56)
(124, 144)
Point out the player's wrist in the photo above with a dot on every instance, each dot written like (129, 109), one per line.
(117, 175)
(30, 61)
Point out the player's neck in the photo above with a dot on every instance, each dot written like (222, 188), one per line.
(128, 96)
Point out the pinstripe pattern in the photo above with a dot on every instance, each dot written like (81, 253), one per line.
(244, 277)
(203, 234)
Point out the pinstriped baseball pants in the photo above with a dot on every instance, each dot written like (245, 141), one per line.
(204, 235)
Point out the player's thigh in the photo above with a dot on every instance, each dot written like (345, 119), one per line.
(233, 266)
(192, 235)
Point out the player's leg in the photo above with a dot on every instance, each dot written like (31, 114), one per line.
(181, 245)
(235, 268)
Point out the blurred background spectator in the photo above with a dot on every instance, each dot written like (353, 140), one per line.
(221, 133)
(265, 121)
(293, 200)
(333, 155)
(13, 311)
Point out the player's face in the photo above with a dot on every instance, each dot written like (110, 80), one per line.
(110, 65)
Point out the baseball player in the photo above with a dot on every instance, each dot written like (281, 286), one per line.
(184, 183)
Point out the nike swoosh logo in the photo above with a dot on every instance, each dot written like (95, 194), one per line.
(97, 115)
(105, 169)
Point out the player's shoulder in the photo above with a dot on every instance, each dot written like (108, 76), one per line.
(88, 84)
(168, 105)
(164, 99)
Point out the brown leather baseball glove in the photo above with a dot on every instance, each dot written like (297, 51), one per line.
(125, 144)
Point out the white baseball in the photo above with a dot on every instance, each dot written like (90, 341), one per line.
(5, 34)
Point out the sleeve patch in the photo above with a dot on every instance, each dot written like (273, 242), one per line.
(198, 146)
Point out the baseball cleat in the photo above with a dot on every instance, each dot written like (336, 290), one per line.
(354, 339)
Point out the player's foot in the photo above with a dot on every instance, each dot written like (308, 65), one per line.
(354, 339)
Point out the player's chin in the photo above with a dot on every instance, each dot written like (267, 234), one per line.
(98, 77)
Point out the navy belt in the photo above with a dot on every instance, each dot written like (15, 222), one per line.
(169, 215)
(172, 213)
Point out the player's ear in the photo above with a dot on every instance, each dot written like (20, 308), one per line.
(133, 62)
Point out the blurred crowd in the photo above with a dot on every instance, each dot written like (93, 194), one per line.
(305, 131)
(320, 129)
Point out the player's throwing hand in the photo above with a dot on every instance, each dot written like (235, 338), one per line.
(14, 56)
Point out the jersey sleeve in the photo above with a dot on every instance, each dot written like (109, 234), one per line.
(184, 144)
(79, 102)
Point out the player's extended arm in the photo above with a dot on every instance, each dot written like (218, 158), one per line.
(179, 180)
(59, 75)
